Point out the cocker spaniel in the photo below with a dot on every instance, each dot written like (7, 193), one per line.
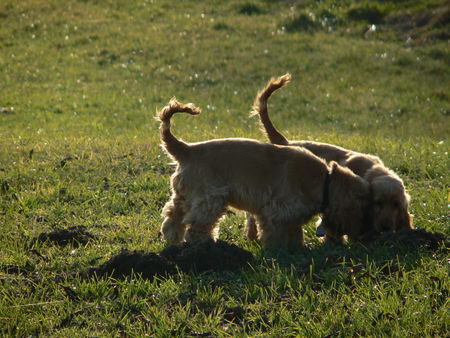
(282, 186)
(389, 201)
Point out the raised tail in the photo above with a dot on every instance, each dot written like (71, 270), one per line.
(260, 108)
(175, 147)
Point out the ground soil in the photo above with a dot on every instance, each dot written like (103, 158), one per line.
(398, 243)
(187, 257)
(124, 264)
(209, 255)
(414, 237)
(76, 235)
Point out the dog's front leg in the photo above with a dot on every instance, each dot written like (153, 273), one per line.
(173, 228)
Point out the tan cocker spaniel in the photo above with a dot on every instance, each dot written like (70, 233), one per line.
(282, 186)
(389, 201)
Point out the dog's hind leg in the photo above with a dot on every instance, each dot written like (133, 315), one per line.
(275, 232)
(173, 228)
(294, 236)
(203, 217)
(251, 227)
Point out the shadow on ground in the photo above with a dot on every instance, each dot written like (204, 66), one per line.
(197, 257)
(405, 247)
(395, 252)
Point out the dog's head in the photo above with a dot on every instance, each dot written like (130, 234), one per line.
(390, 204)
(348, 212)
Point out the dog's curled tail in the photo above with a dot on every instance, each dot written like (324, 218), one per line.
(260, 108)
(177, 148)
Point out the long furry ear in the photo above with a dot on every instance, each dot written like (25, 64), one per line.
(346, 179)
(404, 218)
(349, 201)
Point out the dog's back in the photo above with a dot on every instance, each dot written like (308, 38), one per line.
(249, 167)
(329, 152)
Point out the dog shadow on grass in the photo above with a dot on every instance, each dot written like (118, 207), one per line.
(386, 254)
(221, 264)
(389, 253)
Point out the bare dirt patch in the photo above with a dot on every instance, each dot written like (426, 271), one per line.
(398, 245)
(75, 236)
(124, 264)
(207, 256)
(415, 238)
(187, 257)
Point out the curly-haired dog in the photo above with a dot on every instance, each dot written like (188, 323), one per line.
(389, 197)
(282, 186)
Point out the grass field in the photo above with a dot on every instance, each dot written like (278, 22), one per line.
(80, 84)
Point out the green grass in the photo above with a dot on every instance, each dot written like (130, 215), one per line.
(80, 147)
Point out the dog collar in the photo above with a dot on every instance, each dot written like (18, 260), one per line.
(326, 186)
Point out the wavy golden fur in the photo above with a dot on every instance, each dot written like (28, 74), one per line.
(282, 186)
(389, 207)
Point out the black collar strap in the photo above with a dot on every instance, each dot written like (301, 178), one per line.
(326, 189)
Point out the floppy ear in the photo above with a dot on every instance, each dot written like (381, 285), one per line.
(349, 201)
(404, 220)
